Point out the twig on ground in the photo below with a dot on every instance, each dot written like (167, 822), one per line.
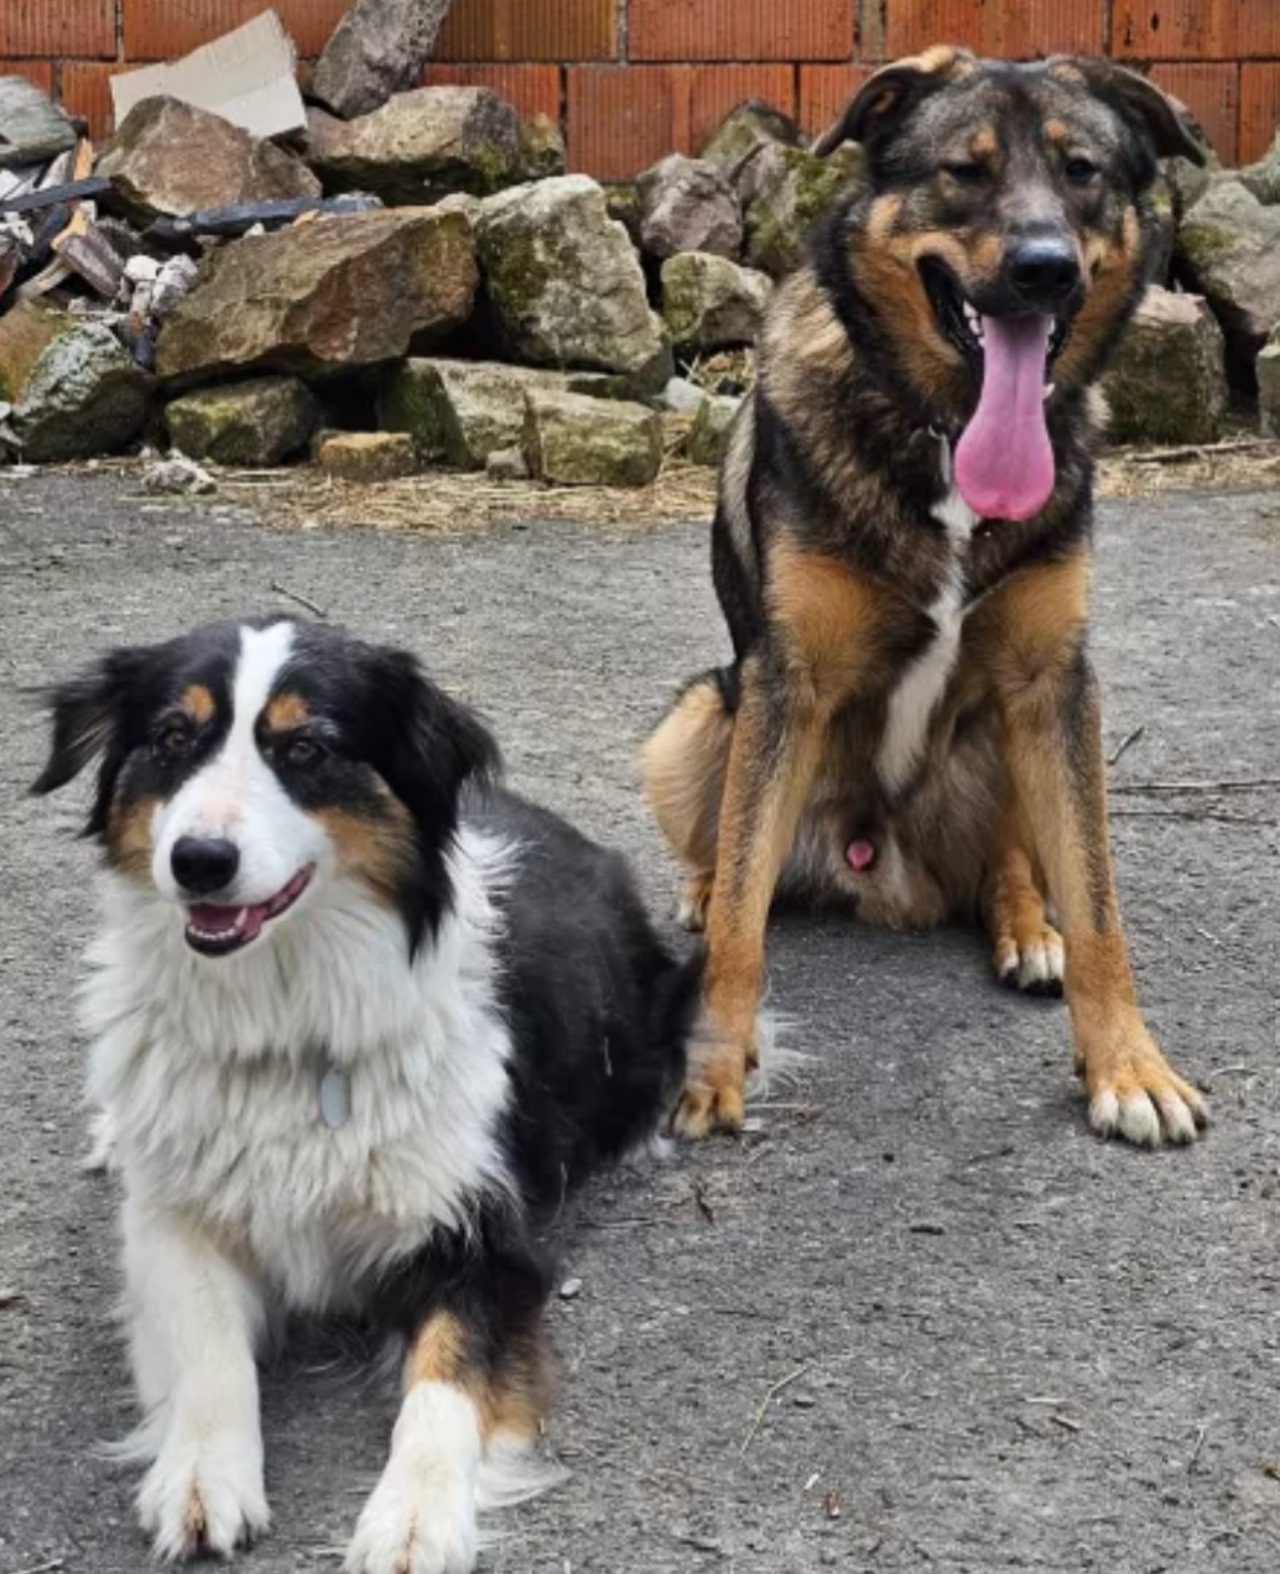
(283, 590)
(9, 1296)
(1173, 456)
(1066, 1423)
(770, 1395)
(1222, 784)
(43, 1568)
(1127, 743)
(1202, 1432)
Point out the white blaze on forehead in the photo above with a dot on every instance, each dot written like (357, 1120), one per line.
(263, 654)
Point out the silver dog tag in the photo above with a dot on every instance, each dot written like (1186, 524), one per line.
(335, 1098)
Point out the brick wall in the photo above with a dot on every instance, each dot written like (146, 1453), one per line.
(632, 79)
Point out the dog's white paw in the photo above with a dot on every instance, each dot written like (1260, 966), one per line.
(1033, 961)
(204, 1495)
(410, 1527)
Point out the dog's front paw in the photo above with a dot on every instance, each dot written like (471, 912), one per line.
(408, 1528)
(204, 1496)
(1134, 1093)
(1030, 957)
(714, 1092)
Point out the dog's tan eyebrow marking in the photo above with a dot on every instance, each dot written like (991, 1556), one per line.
(1057, 132)
(197, 699)
(984, 143)
(286, 711)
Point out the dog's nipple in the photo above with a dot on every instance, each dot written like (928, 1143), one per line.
(860, 855)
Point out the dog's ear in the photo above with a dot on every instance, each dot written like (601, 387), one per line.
(89, 714)
(1142, 105)
(427, 745)
(887, 97)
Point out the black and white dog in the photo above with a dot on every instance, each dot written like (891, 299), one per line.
(360, 1020)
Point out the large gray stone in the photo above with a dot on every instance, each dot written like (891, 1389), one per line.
(1229, 250)
(744, 132)
(789, 191)
(171, 158)
(378, 48)
(460, 412)
(563, 280)
(688, 205)
(1168, 383)
(253, 423)
(573, 440)
(708, 440)
(421, 146)
(709, 303)
(76, 392)
(324, 297)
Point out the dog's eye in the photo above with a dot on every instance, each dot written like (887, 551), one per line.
(966, 174)
(174, 740)
(301, 750)
(1080, 171)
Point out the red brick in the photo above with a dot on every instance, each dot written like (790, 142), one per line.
(534, 90)
(621, 119)
(57, 27)
(1195, 29)
(1212, 93)
(715, 90)
(158, 29)
(993, 28)
(86, 91)
(740, 29)
(558, 30)
(824, 91)
(38, 71)
(1259, 109)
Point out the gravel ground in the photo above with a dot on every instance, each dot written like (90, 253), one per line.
(920, 1319)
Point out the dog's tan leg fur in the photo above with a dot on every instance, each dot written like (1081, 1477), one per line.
(1049, 704)
(683, 766)
(1027, 950)
(826, 621)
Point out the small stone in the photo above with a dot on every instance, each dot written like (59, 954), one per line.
(802, 1399)
(421, 146)
(709, 440)
(683, 397)
(171, 158)
(378, 48)
(1268, 372)
(248, 424)
(507, 464)
(747, 129)
(572, 440)
(1262, 178)
(367, 456)
(688, 205)
(1166, 383)
(710, 303)
(33, 129)
(177, 476)
(563, 280)
(571, 1289)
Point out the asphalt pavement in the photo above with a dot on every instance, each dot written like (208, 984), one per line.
(919, 1320)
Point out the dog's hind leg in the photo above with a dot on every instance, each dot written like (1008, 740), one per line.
(1027, 950)
(683, 765)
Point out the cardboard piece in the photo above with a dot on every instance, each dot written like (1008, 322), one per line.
(246, 76)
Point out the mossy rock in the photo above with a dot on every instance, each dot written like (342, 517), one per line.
(571, 440)
(1167, 383)
(248, 424)
(792, 190)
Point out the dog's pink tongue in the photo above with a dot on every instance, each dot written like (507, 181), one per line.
(1004, 460)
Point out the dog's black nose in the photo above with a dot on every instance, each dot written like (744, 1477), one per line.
(1043, 270)
(202, 865)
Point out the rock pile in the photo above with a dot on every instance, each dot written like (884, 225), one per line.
(429, 269)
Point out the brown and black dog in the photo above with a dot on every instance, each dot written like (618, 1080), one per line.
(910, 723)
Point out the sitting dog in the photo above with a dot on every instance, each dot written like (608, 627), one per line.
(361, 1019)
(910, 722)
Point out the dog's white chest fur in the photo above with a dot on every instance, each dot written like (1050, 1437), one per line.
(212, 1073)
(922, 685)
